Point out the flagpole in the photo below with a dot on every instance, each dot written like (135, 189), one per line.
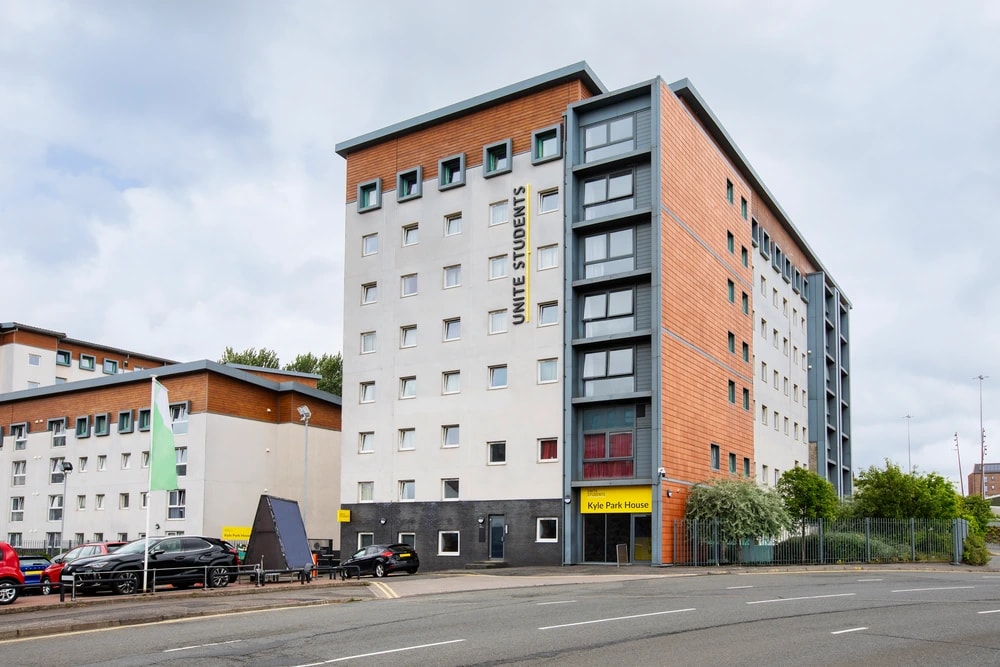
(149, 483)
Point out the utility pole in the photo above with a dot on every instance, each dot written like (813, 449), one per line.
(909, 460)
(982, 440)
(961, 480)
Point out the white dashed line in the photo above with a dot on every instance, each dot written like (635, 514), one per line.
(811, 597)
(840, 632)
(617, 618)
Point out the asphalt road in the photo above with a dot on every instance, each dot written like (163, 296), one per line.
(790, 618)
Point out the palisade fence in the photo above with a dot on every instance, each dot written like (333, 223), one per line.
(825, 542)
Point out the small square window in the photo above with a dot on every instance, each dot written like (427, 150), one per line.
(369, 195)
(123, 501)
(87, 362)
(548, 257)
(453, 224)
(369, 244)
(63, 358)
(368, 342)
(125, 422)
(366, 492)
(547, 371)
(102, 463)
(409, 184)
(548, 449)
(144, 419)
(546, 144)
(408, 285)
(369, 293)
(453, 329)
(498, 321)
(126, 460)
(548, 201)
(110, 367)
(83, 427)
(496, 453)
(366, 442)
(449, 489)
(407, 439)
(498, 267)
(408, 387)
(448, 543)
(498, 377)
(102, 424)
(451, 382)
(451, 172)
(548, 313)
(407, 489)
(411, 234)
(497, 158)
(499, 213)
(34, 360)
(367, 392)
(452, 276)
(408, 335)
(547, 529)
(450, 435)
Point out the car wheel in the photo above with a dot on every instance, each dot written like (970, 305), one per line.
(413, 571)
(127, 582)
(46, 586)
(379, 570)
(8, 592)
(218, 576)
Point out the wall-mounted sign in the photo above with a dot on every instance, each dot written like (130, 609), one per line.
(616, 499)
(236, 533)
(521, 258)
(344, 516)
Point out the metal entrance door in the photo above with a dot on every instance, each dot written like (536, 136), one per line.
(497, 530)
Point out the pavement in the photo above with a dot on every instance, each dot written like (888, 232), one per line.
(42, 615)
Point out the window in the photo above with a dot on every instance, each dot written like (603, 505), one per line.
(450, 435)
(18, 473)
(179, 417)
(775, 414)
(407, 439)
(81, 502)
(498, 377)
(731, 342)
(546, 144)
(746, 467)
(369, 244)
(409, 184)
(496, 452)
(452, 276)
(607, 195)
(87, 362)
(58, 429)
(499, 213)
(714, 457)
(786, 425)
(366, 442)
(548, 314)
(744, 257)
(498, 321)
(731, 291)
(451, 382)
(547, 529)
(730, 242)
(548, 449)
(123, 501)
(449, 489)
(14, 539)
(407, 489)
(369, 195)
(729, 191)
(81, 464)
(608, 138)
(176, 504)
(408, 284)
(63, 358)
(746, 398)
(123, 537)
(763, 415)
(609, 253)
(369, 293)
(144, 419)
(607, 313)
(17, 508)
(411, 234)
(498, 267)
(743, 207)
(745, 303)
(497, 158)
(548, 257)
(548, 201)
(34, 360)
(366, 492)
(99, 501)
(608, 372)
(774, 339)
(732, 392)
(407, 538)
(408, 335)
(365, 540)
(125, 422)
(55, 508)
(453, 329)
(547, 371)
(453, 224)
(451, 172)
(785, 385)
(448, 543)
(732, 463)
(102, 463)
(408, 387)
(368, 342)
(776, 376)
(56, 473)
(126, 460)
(110, 367)
(102, 424)
(181, 459)
(763, 329)
(20, 434)
(82, 427)
(763, 371)
(607, 455)
(746, 352)
(144, 461)
(367, 392)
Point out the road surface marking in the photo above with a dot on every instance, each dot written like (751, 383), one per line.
(991, 611)
(860, 580)
(188, 648)
(616, 618)
(368, 655)
(840, 632)
(384, 590)
(733, 588)
(940, 588)
(810, 597)
(559, 602)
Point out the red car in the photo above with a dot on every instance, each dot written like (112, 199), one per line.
(11, 577)
(50, 576)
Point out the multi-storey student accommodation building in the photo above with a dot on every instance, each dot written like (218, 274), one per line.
(554, 299)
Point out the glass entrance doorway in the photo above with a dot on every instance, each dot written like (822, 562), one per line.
(602, 533)
(497, 530)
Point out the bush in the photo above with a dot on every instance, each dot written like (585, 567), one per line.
(838, 548)
(993, 534)
(975, 551)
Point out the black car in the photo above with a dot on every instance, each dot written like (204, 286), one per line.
(381, 559)
(181, 560)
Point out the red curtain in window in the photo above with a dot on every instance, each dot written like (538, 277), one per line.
(608, 470)
(593, 446)
(621, 445)
(549, 450)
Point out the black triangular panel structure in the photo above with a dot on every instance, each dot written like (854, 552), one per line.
(278, 538)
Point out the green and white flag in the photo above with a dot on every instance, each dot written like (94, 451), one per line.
(162, 458)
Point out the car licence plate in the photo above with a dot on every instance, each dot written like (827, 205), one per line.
(404, 555)
(67, 578)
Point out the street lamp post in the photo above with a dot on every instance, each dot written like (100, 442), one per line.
(67, 468)
(909, 461)
(982, 440)
(304, 415)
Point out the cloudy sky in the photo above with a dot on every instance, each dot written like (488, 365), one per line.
(168, 181)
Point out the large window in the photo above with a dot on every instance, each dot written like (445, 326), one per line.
(607, 195)
(55, 508)
(56, 473)
(176, 504)
(409, 184)
(58, 429)
(609, 253)
(179, 417)
(181, 457)
(17, 508)
(20, 434)
(609, 312)
(608, 372)
(608, 455)
(608, 138)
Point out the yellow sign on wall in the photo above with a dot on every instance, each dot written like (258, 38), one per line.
(616, 500)
(344, 516)
(236, 533)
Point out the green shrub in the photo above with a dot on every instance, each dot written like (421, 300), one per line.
(975, 551)
(838, 548)
(993, 534)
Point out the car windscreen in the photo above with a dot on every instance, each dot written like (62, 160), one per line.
(136, 547)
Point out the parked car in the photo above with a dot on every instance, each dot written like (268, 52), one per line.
(181, 560)
(381, 559)
(32, 568)
(11, 577)
(50, 577)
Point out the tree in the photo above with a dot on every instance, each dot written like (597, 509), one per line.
(893, 494)
(744, 510)
(976, 510)
(807, 496)
(263, 358)
(330, 368)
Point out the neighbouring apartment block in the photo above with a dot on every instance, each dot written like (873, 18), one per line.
(564, 306)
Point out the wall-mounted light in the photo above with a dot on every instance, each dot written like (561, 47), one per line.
(382, 520)
(567, 499)
(670, 494)
(157, 526)
(480, 520)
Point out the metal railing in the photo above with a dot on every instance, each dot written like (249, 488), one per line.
(824, 542)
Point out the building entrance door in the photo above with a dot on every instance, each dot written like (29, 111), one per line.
(497, 529)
